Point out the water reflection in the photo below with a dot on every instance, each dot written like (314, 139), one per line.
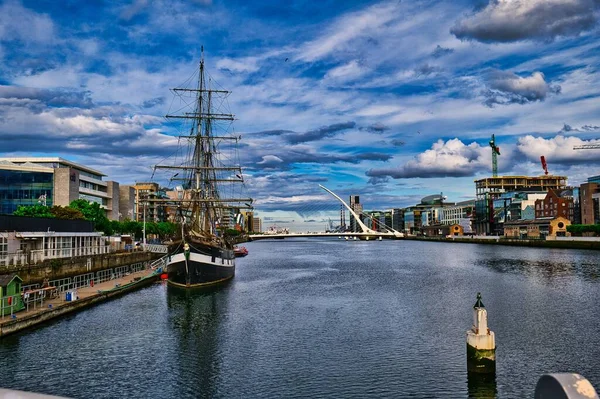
(546, 268)
(195, 318)
(481, 386)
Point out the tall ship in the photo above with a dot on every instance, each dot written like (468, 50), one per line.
(210, 194)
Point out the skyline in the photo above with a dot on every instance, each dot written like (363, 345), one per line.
(389, 100)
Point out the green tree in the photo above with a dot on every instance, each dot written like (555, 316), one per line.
(36, 211)
(66, 213)
(94, 213)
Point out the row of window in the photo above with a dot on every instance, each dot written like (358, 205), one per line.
(92, 186)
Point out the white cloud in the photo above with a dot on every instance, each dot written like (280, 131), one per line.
(247, 64)
(346, 28)
(557, 149)
(349, 71)
(451, 159)
(22, 24)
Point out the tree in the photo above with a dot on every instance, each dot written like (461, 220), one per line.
(66, 213)
(36, 211)
(94, 213)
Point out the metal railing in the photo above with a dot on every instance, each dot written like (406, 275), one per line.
(24, 258)
(9, 302)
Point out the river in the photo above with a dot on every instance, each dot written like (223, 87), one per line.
(328, 318)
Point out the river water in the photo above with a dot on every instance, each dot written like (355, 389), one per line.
(328, 318)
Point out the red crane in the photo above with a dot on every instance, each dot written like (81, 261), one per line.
(544, 165)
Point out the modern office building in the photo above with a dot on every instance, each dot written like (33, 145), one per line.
(54, 181)
(357, 207)
(490, 189)
(454, 214)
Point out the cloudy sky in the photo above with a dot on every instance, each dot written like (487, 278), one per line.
(390, 100)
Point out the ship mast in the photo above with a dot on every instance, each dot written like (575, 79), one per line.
(201, 172)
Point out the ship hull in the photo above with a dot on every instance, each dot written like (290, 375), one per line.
(197, 270)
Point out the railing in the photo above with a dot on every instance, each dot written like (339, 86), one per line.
(9, 302)
(24, 258)
(157, 249)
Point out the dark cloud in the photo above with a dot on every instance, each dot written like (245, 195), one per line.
(288, 157)
(51, 98)
(441, 51)
(410, 171)
(378, 180)
(589, 128)
(376, 128)
(398, 143)
(509, 88)
(267, 133)
(426, 70)
(585, 128)
(508, 21)
(318, 134)
(153, 102)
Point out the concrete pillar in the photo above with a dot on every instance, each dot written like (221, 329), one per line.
(481, 342)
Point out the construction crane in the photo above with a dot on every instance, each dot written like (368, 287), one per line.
(586, 147)
(495, 153)
(544, 165)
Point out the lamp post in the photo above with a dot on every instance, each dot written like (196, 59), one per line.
(144, 227)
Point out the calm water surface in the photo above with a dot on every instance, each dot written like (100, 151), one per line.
(315, 318)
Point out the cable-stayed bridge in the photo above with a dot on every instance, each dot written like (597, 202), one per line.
(365, 232)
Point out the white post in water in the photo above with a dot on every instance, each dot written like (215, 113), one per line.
(481, 343)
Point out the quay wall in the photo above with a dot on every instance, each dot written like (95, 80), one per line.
(22, 323)
(556, 243)
(54, 269)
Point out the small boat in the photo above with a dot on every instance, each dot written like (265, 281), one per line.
(240, 252)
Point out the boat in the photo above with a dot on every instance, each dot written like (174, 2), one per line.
(240, 252)
(204, 255)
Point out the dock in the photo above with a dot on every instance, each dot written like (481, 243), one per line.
(52, 308)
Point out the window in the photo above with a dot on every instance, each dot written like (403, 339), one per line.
(3, 246)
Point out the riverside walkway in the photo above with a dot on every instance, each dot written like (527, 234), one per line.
(43, 310)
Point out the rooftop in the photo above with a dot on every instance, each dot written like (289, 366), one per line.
(35, 161)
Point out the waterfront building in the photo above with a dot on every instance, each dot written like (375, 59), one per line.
(589, 194)
(453, 214)
(25, 240)
(357, 207)
(553, 205)
(443, 230)
(489, 189)
(538, 228)
(412, 220)
(519, 202)
(54, 181)
(145, 207)
(256, 225)
(126, 203)
(397, 219)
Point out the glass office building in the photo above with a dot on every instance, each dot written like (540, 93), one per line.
(24, 188)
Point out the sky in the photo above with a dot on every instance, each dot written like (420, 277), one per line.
(389, 100)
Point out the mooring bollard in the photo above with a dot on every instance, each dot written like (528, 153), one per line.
(481, 342)
(564, 386)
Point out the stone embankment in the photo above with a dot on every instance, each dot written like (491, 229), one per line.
(54, 269)
(50, 309)
(554, 243)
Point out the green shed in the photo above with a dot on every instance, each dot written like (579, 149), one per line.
(10, 294)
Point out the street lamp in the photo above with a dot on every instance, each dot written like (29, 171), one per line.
(144, 228)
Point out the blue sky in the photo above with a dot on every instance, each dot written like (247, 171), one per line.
(390, 100)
